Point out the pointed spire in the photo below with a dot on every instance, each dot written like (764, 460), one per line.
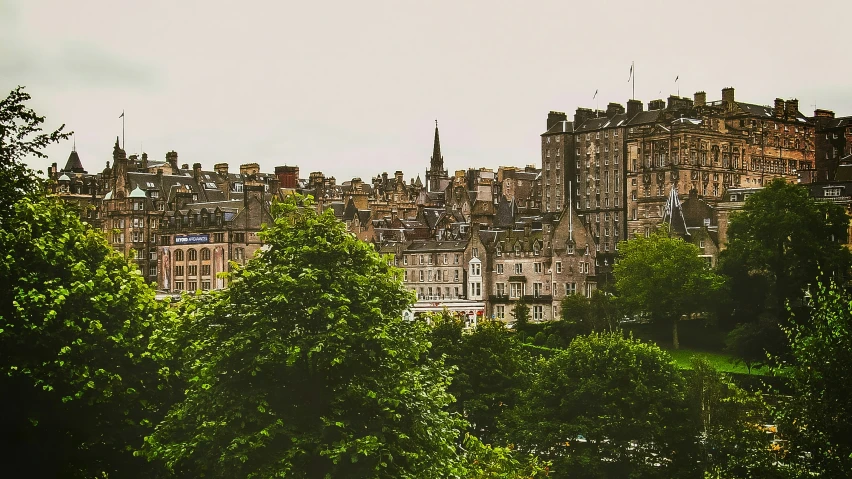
(437, 159)
(74, 145)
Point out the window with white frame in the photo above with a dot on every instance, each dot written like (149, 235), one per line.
(538, 312)
(559, 266)
(516, 290)
(499, 268)
(475, 288)
(519, 268)
(537, 268)
(500, 311)
(500, 289)
(537, 290)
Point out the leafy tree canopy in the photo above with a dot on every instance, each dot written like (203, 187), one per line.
(304, 367)
(80, 388)
(817, 417)
(664, 276)
(608, 406)
(785, 239)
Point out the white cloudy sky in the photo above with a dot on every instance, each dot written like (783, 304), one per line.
(352, 88)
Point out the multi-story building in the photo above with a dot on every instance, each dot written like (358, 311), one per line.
(180, 226)
(624, 163)
(833, 143)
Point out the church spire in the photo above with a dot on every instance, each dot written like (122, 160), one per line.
(436, 170)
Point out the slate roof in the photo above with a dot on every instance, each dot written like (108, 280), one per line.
(74, 164)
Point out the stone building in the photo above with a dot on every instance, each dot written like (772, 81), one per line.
(833, 143)
(624, 162)
(180, 226)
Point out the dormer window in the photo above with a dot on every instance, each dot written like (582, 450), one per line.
(517, 249)
(832, 192)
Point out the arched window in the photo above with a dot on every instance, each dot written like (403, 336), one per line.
(192, 255)
(205, 254)
(179, 255)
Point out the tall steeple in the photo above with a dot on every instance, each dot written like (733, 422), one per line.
(436, 170)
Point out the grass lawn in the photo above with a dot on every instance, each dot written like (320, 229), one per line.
(722, 362)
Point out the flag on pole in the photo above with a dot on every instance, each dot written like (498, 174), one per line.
(596, 94)
(122, 114)
(631, 73)
(677, 78)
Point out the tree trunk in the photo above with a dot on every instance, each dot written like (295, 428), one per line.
(675, 340)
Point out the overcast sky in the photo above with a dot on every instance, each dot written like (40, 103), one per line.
(353, 88)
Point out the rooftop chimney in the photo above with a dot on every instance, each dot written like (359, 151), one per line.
(633, 107)
(221, 168)
(613, 109)
(700, 98)
(728, 95)
(791, 108)
(581, 115)
(656, 105)
(779, 108)
(555, 117)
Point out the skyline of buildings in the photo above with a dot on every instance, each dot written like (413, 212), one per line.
(480, 240)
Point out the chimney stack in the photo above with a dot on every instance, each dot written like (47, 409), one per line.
(555, 117)
(634, 107)
(581, 115)
(613, 109)
(700, 98)
(779, 108)
(728, 95)
(791, 108)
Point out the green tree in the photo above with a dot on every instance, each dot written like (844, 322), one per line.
(607, 406)
(21, 137)
(664, 276)
(751, 343)
(303, 367)
(780, 241)
(491, 368)
(80, 386)
(521, 314)
(598, 313)
(817, 416)
(733, 442)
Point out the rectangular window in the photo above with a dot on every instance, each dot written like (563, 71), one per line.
(192, 286)
(205, 270)
(537, 290)
(500, 289)
(516, 290)
(475, 269)
(499, 268)
(193, 270)
(536, 267)
(519, 268)
(421, 276)
(570, 288)
(559, 266)
(178, 270)
(456, 276)
(500, 311)
(205, 285)
(178, 286)
(475, 289)
(538, 313)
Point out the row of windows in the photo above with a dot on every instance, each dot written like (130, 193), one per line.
(422, 276)
(430, 259)
(192, 286)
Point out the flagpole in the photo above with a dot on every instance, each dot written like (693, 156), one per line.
(633, 66)
(123, 142)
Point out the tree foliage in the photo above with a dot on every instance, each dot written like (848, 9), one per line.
(729, 424)
(21, 137)
(304, 368)
(80, 386)
(607, 406)
(491, 368)
(664, 276)
(781, 240)
(598, 313)
(817, 417)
